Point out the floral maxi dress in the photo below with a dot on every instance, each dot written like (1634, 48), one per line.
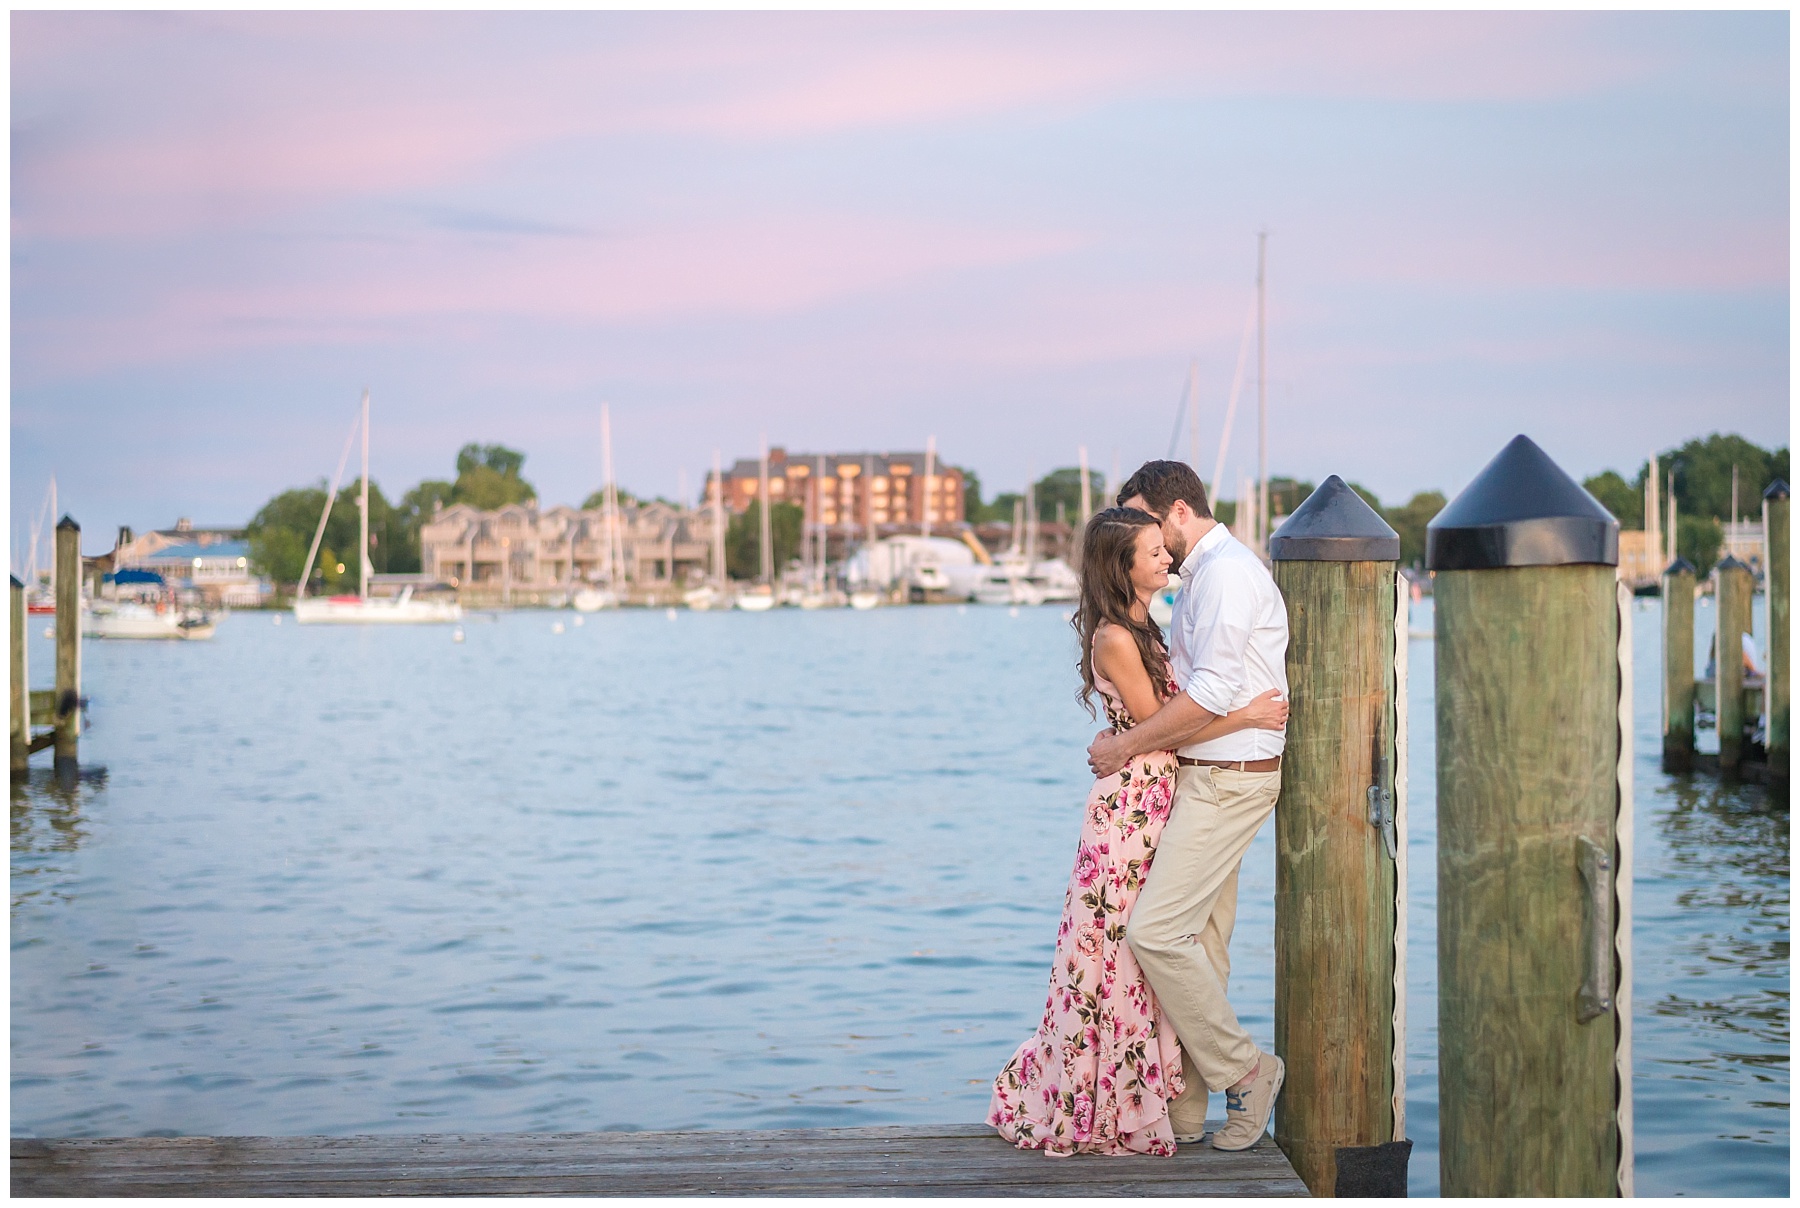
(1099, 1074)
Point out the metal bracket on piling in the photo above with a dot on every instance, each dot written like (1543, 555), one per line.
(1595, 997)
(1381, 802)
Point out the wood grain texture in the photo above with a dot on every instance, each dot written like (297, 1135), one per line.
(959, 1160)
(1334, 881)
(19, 703)
(1678, 671)
(1733, 605)
(68, 641)
(1780, 673)
(1527, 750)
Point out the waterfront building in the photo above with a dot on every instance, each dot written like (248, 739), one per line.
(850, 490)
(214, 561)
(522, 548)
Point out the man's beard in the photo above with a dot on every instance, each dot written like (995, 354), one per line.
(1177, 546)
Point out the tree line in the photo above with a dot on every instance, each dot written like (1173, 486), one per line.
(487, 477)
(1702, 472)
(492, 476)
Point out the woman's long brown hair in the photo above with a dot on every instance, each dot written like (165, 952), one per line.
(1108, 548)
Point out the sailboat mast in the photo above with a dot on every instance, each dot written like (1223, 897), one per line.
(1262, 395)
(868, 476)
(718, 511)
(1673, 544)
(608, 519)
(1194, 415)
(930, 491)
(819, 517)
(767, 563)
(52, 520)
(362, 507)
(1087, 501)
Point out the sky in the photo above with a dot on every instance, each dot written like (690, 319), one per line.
(1012, 232)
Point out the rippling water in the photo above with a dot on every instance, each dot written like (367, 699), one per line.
(797, 869)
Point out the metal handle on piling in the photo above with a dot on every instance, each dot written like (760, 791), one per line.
(1596, 864)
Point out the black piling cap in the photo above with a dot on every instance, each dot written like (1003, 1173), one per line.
(16, 582)
(1335, 524)
(1521, 510)
(1777, 490)
(68, 522)
(1730, 562)
(1681, 566)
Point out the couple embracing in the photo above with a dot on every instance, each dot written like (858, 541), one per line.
(1137, 1029)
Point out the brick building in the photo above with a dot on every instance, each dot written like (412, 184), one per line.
(851, 490)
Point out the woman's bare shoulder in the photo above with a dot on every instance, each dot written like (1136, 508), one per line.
(1115, 641)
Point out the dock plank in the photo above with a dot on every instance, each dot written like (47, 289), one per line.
(960, 1160)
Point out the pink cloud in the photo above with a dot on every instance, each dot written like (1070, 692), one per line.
(221, 120)
(368, 291)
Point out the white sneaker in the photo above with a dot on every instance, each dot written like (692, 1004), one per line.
(1247, 1111)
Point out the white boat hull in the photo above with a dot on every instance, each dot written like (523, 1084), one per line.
(862, 601)
(147, 623)
(354, 611)
(756, 603)
(590, 599)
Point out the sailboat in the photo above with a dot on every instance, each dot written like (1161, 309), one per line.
(592, 598)
(761, 598)
(361, 608)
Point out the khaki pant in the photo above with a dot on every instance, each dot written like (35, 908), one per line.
(1180, 927)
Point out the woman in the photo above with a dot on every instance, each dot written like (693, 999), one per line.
(1099, 1074)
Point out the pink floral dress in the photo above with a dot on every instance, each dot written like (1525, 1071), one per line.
(1099, 1074)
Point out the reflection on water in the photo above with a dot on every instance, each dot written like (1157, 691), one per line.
(47, 827)
(1713, 1009)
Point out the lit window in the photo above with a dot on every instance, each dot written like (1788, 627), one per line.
(880, 485)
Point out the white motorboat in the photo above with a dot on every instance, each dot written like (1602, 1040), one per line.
(862, 601)
(135, 619)
(757, 600)
(705, 599)
(593, 599)
(362, 608)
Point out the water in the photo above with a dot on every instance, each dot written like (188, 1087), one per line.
(726, 871)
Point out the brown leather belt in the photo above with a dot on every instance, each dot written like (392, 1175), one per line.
(1272, 764)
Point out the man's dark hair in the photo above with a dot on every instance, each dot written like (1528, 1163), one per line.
(1161, 483)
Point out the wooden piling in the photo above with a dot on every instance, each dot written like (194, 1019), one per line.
(1335, 874)
(1732, 614)
(1775, 564)
(68, 641)
(1678, 666)
(20, 706)
(1528, 747)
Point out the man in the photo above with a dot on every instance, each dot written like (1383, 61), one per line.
(1229, 644)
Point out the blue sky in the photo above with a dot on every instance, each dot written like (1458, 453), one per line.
(1010, 231)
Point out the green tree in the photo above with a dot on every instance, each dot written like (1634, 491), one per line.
(1286, 494)
(743, 539)
(413, 513)
(1698, 538)
(1702, 470)
(1410, 519)
(1064, 486)
(282, 531)
(1368, 497)
(1002, 507)
(488, 477)
(597, 498)
(1624, 500)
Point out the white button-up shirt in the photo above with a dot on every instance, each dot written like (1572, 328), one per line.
(1228, 640)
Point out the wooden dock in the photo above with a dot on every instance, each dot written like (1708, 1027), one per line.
(947, 1160)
